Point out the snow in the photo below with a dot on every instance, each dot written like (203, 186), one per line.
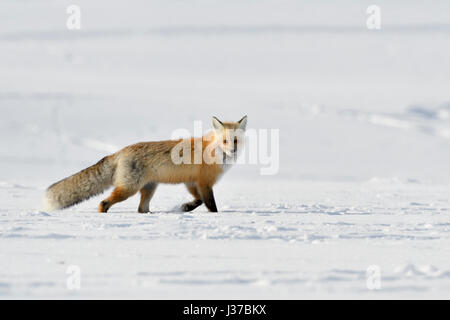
(314, 247)
(364, 125)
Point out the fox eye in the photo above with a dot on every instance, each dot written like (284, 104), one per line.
(225, 141)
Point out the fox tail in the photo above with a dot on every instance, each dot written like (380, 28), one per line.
(80, 186)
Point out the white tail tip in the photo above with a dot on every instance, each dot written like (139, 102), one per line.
(49, 204)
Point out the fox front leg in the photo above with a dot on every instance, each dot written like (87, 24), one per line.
(189, 206)
(207, 196)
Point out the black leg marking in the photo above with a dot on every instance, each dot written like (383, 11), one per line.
(208, 198)
(104, 206)
(189, 206)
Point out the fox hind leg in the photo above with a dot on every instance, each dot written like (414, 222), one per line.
(147, 193)
(119, 194)
(189, 206)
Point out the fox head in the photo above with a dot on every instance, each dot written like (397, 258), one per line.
(230, 135)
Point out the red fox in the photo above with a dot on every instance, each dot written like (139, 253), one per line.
(142, 166)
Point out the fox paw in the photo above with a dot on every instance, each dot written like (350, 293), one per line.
(104, 206)
(143, 210)
(186, 207)
(189, 206)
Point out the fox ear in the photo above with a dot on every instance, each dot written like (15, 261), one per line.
(217, 124)
(243, 123)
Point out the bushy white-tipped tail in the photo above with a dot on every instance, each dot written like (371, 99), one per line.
(80, 186)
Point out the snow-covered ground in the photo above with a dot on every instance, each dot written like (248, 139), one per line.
(285, 240)
(364, 120)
